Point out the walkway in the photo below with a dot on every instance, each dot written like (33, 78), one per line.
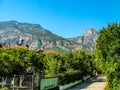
(95, 83)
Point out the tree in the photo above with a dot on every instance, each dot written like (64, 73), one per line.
(52, 63)
(4, 63)
(108, 53)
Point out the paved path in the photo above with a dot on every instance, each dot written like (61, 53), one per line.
(95, 83)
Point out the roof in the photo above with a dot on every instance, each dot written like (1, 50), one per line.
(49, 52)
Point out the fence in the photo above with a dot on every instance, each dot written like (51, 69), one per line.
(48, 83)
(28, 82)
(18, 82)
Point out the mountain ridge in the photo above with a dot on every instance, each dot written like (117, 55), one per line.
(36, 36)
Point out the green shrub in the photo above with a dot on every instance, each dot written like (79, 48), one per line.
(67, 78)
(4, 88)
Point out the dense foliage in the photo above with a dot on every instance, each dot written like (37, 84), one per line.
(75, 66)
(19, 61)
(108, 54)
(69, 67)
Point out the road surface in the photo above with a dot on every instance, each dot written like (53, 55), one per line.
(94, 83)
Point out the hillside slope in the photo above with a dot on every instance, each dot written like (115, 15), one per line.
(35, 36)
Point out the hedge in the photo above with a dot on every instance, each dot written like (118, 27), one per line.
(67, 78)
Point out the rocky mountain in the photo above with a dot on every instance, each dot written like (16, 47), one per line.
(88, 39)
(11, 32)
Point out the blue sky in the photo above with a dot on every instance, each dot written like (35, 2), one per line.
(66, 18)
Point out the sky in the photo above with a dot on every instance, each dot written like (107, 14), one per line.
(66, 18)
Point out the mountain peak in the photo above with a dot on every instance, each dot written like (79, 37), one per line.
(13, 21)
(90, 31)
(89, 38)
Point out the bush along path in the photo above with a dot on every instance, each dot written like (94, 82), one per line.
(94, 83)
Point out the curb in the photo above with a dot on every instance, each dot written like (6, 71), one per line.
(69, 85)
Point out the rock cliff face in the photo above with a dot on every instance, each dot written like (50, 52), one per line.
(88, 39)
(37, 37)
